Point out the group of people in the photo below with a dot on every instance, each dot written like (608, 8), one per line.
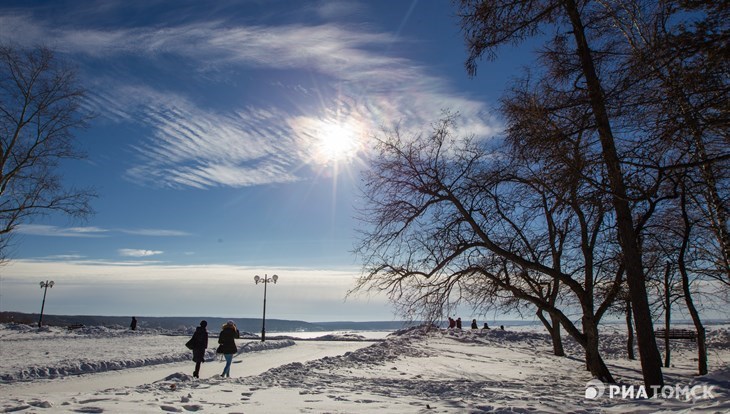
(456, 323)
(226, 345)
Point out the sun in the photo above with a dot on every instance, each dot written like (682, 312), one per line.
(337, 142)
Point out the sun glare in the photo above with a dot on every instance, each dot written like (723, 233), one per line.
(337, 142)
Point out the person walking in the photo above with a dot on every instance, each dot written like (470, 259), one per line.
(458, 323)
(133, 325)
(227, 346)
(200, 344)
(474, 324)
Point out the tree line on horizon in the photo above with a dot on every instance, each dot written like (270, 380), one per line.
(607, 193)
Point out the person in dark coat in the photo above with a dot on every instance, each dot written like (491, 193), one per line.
(452, 323)
(227, 346)
(133, 325)
(458, 323)
(200, 344)
(474, 324)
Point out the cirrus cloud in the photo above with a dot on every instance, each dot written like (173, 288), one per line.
(351, 75)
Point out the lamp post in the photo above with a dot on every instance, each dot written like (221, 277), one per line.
(44, 285)
(265, 280)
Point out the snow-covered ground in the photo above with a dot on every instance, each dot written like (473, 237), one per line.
(97, 370)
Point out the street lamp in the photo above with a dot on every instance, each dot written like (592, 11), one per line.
(265, 280)
(44, 285)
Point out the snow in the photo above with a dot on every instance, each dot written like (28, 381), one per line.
(51, 352)
(422, 370)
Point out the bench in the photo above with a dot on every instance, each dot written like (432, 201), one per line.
(676, 333)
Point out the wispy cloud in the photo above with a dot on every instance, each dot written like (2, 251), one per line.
(55, 231)
(155, 232)
(138, 252)
(62, 257)
(199, 147)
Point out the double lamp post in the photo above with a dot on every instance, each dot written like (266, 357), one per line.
(44, 285)
(265, 280)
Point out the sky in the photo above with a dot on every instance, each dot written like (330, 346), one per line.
(228, 142)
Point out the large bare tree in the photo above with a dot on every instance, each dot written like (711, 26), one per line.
(447, 215)
(678, 89)
(655, 85)
(39, 110)
(579, 56)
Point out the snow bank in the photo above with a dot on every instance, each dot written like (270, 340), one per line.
(329, 337)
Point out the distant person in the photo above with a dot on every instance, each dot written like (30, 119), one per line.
(474, 324)
(200, 344)
(485, 326)
(133, 325)
(501, 327)
(452, 323)
(458, 323)
(227, 346)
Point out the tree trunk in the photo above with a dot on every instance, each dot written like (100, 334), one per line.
(701, 344)
(554, 330)
(651, 364)
(667, 316)
(630, 329)
(556, 337)
(594, 362)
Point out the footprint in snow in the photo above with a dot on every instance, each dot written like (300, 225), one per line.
(89, 410)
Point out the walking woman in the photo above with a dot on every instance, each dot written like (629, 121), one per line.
(227, 346)
(200, 344)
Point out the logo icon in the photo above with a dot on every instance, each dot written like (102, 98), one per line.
(594, 389)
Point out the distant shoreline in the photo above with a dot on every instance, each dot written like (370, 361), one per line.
(247, 324)
(254, 324)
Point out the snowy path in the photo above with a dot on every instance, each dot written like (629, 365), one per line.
(244, 365)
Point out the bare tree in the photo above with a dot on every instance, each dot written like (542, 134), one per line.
(682, 263)
(669, 298)
(609, 57)
(446, 216)
(678, 90)
(679, 237)
(39, 109)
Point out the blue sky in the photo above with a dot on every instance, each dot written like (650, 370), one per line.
(228, 142)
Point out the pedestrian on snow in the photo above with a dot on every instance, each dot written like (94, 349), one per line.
(227, 346)
(452, 323)
(501, 327)
(458, 323)
(485, 326)
(200, 344)
(133, 325)
(474, 324)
